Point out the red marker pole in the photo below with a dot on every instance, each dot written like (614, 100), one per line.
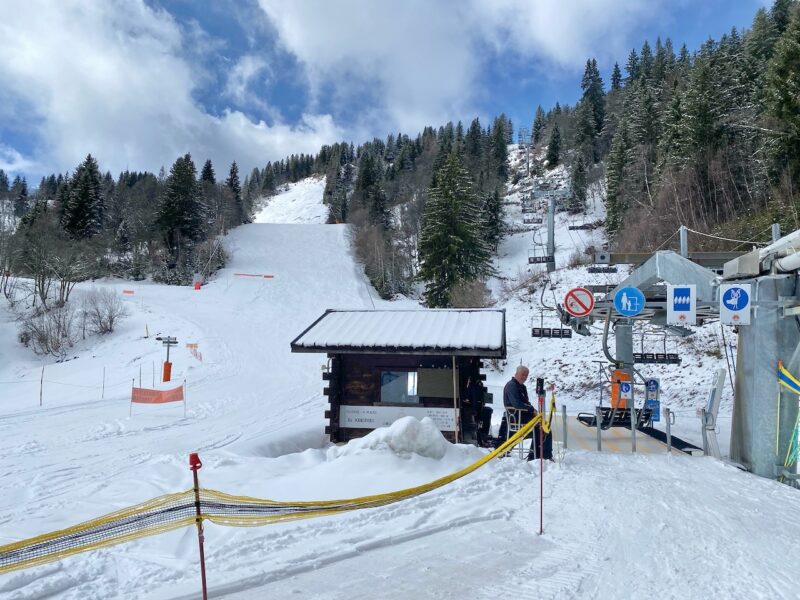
(194, 466)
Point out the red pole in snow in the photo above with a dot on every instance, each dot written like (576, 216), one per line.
(194, 466)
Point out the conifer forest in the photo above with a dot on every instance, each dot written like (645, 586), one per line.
(707, 137)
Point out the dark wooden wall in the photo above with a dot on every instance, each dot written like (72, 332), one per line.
(354, 380)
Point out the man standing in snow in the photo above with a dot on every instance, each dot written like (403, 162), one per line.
(515, 396)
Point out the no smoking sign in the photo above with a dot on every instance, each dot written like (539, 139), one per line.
(579, 302)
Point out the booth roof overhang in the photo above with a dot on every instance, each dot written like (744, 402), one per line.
(441, 332)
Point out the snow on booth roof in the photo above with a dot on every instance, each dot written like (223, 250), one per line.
(456, 332)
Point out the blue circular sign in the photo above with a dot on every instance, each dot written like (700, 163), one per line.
(735, 298)
(625, 387)
(652, 385)
(629, 301)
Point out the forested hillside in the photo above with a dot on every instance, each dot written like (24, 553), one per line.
(709, 138)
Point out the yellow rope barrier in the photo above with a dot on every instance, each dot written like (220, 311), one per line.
(173, 511)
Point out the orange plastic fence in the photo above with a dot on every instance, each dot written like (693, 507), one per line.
(147, 396)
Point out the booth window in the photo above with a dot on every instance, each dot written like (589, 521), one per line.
(399, 387)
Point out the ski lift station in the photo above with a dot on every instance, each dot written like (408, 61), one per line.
(386, 364)
(757, 293)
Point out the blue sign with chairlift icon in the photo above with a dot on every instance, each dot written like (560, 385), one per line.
(629, 301)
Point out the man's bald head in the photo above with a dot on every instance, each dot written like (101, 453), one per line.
(521, 374)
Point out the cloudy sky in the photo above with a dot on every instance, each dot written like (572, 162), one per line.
(139, 82)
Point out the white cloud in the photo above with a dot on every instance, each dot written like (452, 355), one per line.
(413, 58)
(421, 60)
(564, 34)
(110, 78)
(12, 161)
(246, 69)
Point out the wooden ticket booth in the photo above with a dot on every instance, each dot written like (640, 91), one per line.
(386, 364)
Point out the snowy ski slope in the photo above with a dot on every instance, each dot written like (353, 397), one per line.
(616, 526)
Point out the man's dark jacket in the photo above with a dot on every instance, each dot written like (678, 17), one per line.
(515, 395)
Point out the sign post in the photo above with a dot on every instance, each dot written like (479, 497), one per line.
(651, 401)
(626, 391)
(167, 341)
(682, 304)
(734, 304)
(629, 301)
(579, 302)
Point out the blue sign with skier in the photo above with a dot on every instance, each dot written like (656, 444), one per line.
(735, 298)
(735, 303)
(629, 301)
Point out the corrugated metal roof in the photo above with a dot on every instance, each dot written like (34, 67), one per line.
(442, 331)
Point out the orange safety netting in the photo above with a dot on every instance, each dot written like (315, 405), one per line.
(147, 396)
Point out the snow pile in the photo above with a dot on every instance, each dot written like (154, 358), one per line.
(404, 437)
(299, 202)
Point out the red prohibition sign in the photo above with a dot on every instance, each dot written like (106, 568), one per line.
(579, 302)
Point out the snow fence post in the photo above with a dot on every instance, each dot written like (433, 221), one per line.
(564, 423)
(540, 394)
(194, 466)
(598, 420)
(668, 415)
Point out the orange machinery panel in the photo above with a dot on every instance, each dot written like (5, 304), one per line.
(617, 376)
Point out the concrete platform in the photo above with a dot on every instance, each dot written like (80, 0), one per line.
(614, 439)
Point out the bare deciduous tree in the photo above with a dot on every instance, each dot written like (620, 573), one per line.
(103, 310)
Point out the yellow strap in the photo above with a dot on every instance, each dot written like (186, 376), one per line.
(325, 507)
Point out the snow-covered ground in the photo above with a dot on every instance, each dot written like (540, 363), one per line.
(616, 526)
(299, 203)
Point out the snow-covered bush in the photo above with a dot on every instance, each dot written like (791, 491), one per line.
(103, 309)
(50, 332)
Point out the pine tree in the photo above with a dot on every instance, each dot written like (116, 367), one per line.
(585, 133)
(235, 189)
(368, 191)
(592, 86)
(83, 203)
(783, 90)
(493, 219)
(473, 141)
(616, 204)
(632, 67)
(3, 185)
(674, 143)
(616, 78)
(781, 14)
(499, 150)
(452, 246)
(646, 62)
(180, 214)
(19, 194)
(580, 181)
(207, 174)
(554, 147)
(539, 123)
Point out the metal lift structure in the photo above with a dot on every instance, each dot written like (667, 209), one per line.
(765, 413)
